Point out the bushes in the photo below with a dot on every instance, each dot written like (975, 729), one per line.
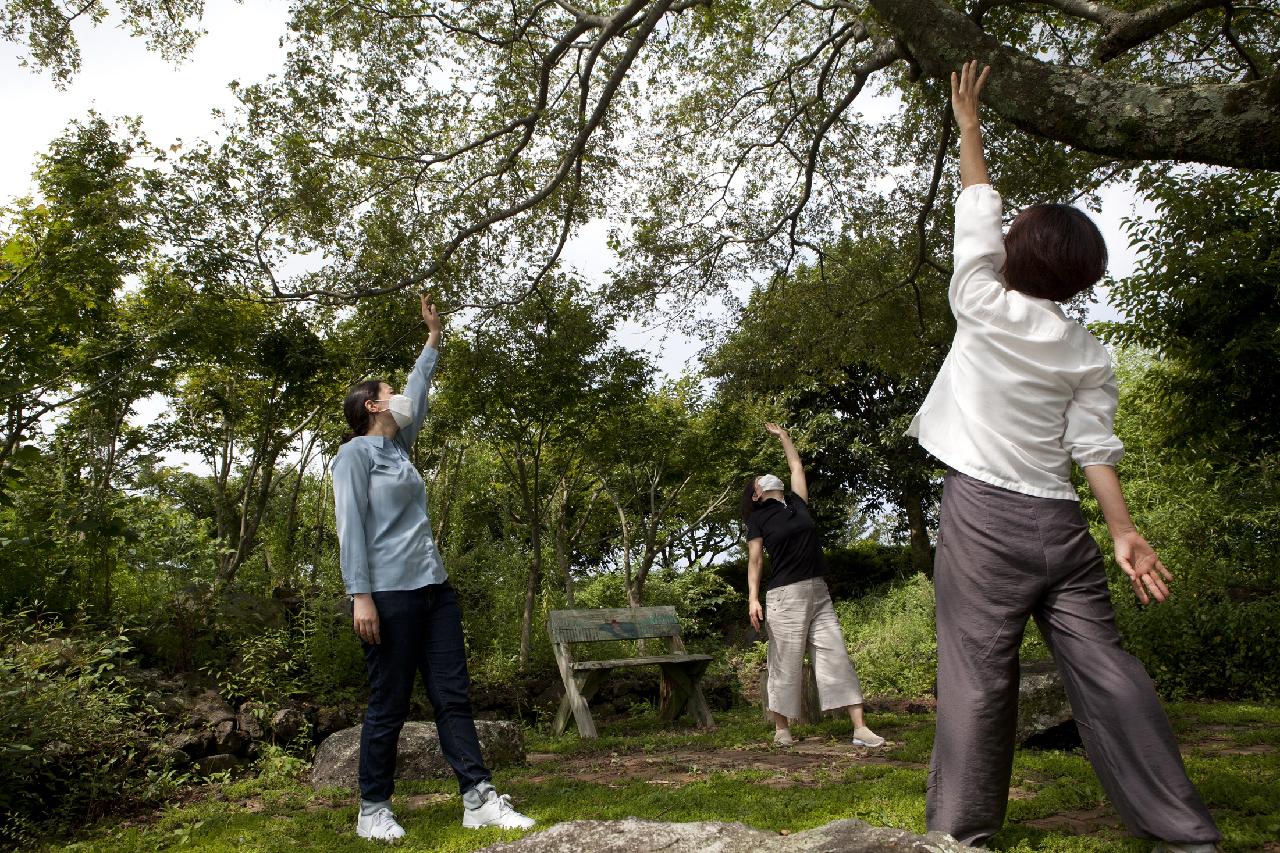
(74, 729)
(891, 638)
(853, 571)
(1194, 647)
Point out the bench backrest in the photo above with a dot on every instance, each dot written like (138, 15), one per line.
(612, 623)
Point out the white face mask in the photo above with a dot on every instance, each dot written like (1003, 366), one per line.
(401, 408)
(770, 483)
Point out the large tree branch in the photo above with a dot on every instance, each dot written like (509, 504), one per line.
(1224, 124)
(1124, 30)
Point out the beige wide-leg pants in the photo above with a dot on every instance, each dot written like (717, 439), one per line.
(800, 616)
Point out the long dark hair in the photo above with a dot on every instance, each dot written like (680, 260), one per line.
(749, 504)
(354, 408)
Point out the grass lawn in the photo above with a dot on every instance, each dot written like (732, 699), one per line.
(638, 767)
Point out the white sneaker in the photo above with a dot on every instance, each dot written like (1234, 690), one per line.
(863, 736)
(380, 826)
(496, 811)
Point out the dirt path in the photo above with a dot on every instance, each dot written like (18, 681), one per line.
(802, 763)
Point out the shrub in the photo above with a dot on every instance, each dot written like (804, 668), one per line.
(891, 638)
(265, 667)
(74, 729)
(701, 597)
(333, 670)
(1196, 647)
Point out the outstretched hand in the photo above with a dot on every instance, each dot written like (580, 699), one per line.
(1140, 562)
(777, 430)
(965, 89)
(430, 314)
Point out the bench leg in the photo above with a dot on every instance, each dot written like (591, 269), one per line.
(577, 694)
(681, 690)
(673, 693)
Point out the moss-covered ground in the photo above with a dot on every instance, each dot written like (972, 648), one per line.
(639, 767)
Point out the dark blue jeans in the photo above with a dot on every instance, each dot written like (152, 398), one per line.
(421, 631)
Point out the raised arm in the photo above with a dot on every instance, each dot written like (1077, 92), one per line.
(979, 241)
(965, 89)
(419, 381)
(799, 484)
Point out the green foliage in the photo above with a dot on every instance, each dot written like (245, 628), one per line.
(1199, 645)
(1200, 421)
(891, 638)
(265, 667)
(74, 729)
(875, 326)
(1206, 300)
(328, 653)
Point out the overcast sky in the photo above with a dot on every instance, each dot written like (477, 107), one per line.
(119, 77)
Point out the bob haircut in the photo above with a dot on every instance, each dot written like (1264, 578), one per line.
(1053, 251)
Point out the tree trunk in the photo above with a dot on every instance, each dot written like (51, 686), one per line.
(531, 597)
(533, 516)
(921, 554)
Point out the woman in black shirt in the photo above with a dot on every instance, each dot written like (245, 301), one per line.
(799, 605)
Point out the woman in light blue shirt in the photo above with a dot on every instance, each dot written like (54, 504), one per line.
(405, 611)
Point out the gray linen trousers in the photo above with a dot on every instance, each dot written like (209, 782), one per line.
(1002, 557)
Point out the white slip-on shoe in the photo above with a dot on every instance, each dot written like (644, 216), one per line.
(863, 736)
(782, 737)
(379, 826)
(496, 811)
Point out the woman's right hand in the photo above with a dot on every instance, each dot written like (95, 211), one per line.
(757, 614)
(777, 430)
(966, 87)
(365, 619)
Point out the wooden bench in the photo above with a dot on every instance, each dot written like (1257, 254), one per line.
(681, 672)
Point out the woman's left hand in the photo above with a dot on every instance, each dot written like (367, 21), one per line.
(1139, 560)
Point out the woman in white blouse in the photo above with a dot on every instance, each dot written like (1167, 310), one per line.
(1023, 393)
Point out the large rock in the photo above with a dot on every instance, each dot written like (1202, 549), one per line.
(208, 710)
(332, 720)
(1042, 700)
(249, 720)
(217, 764)
(227, 739)
(286, 724)
(418, 755)
(196, 744)
(644, 836)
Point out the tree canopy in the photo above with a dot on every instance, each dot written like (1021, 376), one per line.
(464, 142)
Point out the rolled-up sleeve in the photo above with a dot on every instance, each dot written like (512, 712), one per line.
(416, 388)
(1090, 435)
(979, 249)
(350, 472)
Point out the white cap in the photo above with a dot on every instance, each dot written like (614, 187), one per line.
(770, 483)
